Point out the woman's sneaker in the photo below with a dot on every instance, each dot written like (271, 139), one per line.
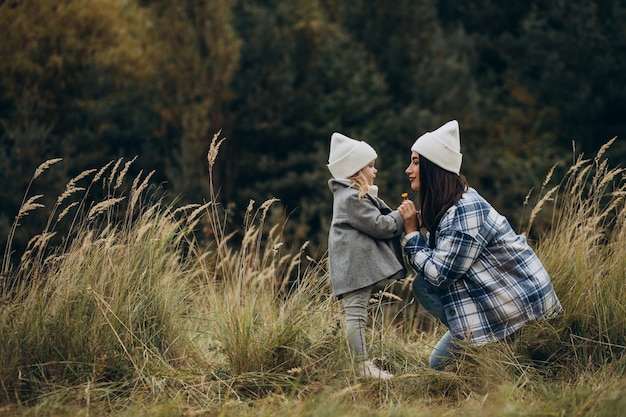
(367, 369)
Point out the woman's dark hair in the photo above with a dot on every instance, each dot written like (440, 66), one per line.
(440, 189)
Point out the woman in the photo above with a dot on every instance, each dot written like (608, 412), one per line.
(474, 273)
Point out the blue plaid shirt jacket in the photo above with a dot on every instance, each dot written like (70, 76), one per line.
(490, 280)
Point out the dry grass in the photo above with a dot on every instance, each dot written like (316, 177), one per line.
(132, 316)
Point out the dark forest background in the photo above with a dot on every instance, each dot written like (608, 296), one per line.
(532, 83)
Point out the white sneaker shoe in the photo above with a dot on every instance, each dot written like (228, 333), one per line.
(367, 369)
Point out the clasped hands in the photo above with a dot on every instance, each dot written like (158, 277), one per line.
(411, 215)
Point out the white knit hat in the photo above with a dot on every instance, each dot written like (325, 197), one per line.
(348, 156)
(442, 147)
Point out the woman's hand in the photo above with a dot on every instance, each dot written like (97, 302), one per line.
(411, 216)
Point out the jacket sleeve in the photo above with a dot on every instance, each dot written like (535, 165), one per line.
(453, 255)
(366, 217)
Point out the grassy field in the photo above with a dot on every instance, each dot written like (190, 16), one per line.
(127, 315)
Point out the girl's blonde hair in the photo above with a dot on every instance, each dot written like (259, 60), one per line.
(360, 182)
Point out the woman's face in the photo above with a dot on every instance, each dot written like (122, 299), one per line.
(413, 171)
(370, 172)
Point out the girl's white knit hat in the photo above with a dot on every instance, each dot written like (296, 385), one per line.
(442, 147)
(348, 156)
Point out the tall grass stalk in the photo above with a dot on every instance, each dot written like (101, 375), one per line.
(584, 253)
(105, 308)
(25, 208)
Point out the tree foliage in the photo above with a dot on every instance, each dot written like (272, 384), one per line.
(197, 57)
(75, 82)
(305, 77)
(93, 81)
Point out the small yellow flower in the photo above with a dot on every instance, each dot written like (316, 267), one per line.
(405, 196)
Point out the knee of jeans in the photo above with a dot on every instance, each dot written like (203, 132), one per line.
(417, 284)
(443, 352)
(438, 362)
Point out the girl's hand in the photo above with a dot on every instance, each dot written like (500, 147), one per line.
(411, 216)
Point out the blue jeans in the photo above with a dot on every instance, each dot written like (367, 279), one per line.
(428, 297)
(444, 352)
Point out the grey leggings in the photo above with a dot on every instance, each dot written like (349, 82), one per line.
(355, 307)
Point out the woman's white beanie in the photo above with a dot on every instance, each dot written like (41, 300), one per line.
(348, 156)
(442, 147)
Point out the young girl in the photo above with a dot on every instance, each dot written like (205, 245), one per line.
(363, 242)
(480, 278)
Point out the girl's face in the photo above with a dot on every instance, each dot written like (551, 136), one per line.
(413, 171)
(370, 172)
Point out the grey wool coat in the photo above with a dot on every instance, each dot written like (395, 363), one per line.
(363, 241)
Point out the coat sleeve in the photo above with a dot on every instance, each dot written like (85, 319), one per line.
(453, 255)
(366, 217)
(458, 245)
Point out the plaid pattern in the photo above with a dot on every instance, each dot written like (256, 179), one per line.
(490, 281)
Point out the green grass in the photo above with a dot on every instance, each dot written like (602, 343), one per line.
(128, 315)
